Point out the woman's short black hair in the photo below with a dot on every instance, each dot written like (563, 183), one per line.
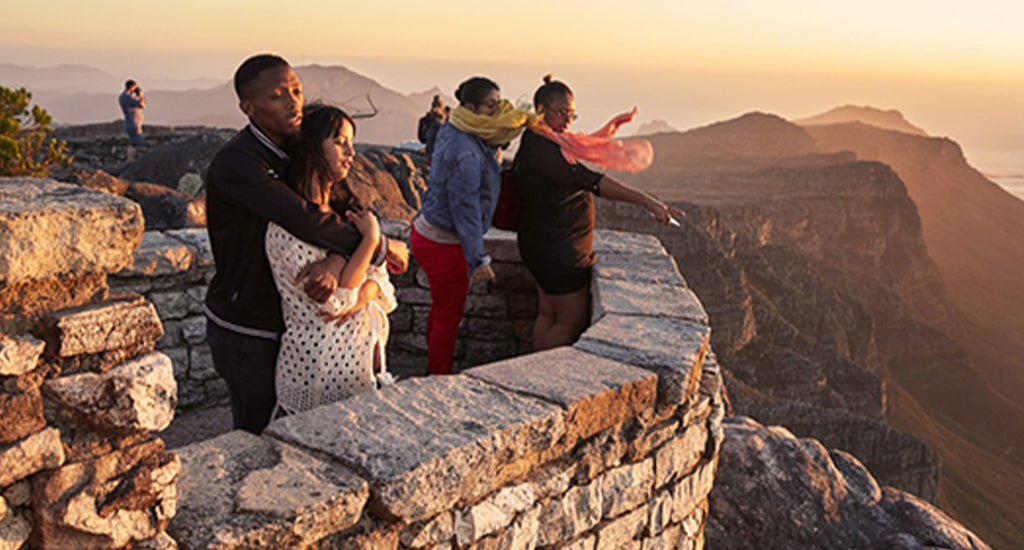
(250, 70)
(311, 175)
(474, 90)
(549, 91)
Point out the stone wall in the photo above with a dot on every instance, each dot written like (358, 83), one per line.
(172, 269)
(609, 444)
(81, 389)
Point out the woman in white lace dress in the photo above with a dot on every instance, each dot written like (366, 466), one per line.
(323, 361)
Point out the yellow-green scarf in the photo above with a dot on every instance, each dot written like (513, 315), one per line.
(496, 130)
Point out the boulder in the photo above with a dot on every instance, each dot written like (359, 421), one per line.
(167, 208)
(774, 490)
(168, 163)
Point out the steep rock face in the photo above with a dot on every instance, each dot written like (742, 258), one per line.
(790, 231)
(973, 229)
(815, 276)
(774, 490)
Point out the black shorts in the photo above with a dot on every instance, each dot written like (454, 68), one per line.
(553, 276)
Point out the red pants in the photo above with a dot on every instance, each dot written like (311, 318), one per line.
(445, 267)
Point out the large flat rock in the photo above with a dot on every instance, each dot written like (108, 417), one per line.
(612, 296)
(642, 268)
(242, 491)
(49, 229)
(427, 444)
(607, 241)
(672, 348)
(597, 393)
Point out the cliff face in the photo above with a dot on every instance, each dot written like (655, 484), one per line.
(973, 229)
(822, 295)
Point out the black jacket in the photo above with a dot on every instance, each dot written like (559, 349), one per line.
(244, 191)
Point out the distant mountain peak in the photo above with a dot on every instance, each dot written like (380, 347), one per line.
(657, 126)
(890, 119)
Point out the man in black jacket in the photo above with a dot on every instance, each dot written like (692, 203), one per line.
(245, 190)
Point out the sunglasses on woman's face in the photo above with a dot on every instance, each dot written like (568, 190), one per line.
(567, 114)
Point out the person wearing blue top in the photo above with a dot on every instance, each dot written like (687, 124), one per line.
(132, 102)
(447, 237)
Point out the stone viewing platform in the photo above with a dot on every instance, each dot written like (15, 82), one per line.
(612, 443)
(609, 444)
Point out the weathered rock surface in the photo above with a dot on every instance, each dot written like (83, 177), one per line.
(242, 491)
(50, 229)
(123, 321)
(167, 208)
(21, 414)
(137, 396)
(159, 254)
(612, 296)
(429, 443)
(19, 354)
(785, 492)
(596, 393)
(106, 502)
(14, 531)
(36, 452)
(672, 348)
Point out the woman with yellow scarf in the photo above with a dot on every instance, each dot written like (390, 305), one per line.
(447, 236)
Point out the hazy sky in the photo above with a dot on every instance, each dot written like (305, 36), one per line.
(953, 67)
(979, 38)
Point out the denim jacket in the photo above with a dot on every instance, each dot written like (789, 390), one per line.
(462, 190)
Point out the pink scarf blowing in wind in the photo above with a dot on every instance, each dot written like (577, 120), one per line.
(627, 155)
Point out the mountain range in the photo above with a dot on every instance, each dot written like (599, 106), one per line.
(75, 94)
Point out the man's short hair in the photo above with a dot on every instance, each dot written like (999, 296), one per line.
(250, 70)
(128, 83)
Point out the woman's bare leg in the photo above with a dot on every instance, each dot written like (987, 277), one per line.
(571, 312)
(545, 320)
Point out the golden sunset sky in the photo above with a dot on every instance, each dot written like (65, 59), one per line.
(981, 38)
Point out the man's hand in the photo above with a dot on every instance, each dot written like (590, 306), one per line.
(397, 257)
(319, 279)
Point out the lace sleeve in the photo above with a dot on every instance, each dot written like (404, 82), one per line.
(387, 300)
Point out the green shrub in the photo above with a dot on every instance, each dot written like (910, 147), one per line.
(26, 148)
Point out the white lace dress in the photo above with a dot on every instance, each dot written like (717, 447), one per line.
(322, 362)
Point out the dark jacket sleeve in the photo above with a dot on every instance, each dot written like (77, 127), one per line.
(245, 179)
(547, 159)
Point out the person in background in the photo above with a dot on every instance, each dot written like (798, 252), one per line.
(324, 361)
(430, 123)
(447, 236)
(245, 191)
(556, 193)
(132, 102)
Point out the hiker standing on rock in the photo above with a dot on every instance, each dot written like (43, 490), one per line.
(245, 191)
(430, 123)
(132, 102)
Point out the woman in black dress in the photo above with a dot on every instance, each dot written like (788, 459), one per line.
(556, 226)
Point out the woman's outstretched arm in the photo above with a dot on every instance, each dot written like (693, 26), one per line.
(613, 189)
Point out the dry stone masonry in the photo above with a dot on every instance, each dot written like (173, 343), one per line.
(173, 268)
(610, 444)
(82, 389)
